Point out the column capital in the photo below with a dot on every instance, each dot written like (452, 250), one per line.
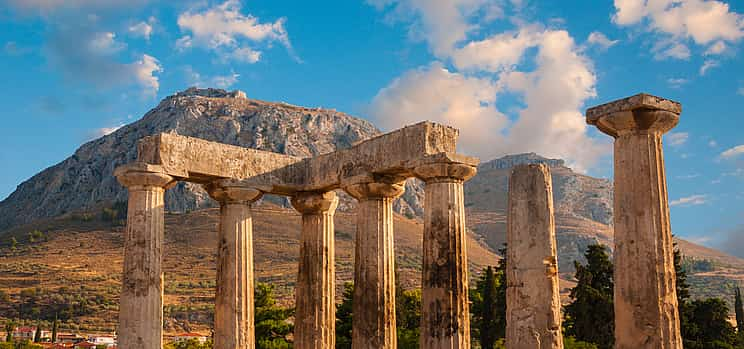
(375, 186)
(231, 192)
(315, 202)
(445, 172)
(142, 175)
(639, 114)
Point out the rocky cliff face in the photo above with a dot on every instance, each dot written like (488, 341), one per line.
(84, 181)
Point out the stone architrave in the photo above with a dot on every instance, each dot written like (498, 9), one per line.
(233, 309)
(646, 313)
(315, 296)
(373, 324)
(533, 306)
(141, 302)
(445, 313)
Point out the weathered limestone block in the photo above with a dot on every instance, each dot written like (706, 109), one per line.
(646, 313)
(373, 325)
(533, 307)
(141, 302)
(315, 320)
(233, 309)
(445, 313)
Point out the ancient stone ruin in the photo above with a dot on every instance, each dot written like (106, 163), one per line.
(373, 172)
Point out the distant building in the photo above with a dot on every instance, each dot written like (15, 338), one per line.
(27, 333)
(85, 345)
(69, 338)
(183, 337)
(108, 341)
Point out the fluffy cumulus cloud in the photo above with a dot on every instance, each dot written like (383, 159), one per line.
(436, 94)
(98, 59)
(708, 23)
(231, 34)
(677, 139)
(553, 91)
(142, 29)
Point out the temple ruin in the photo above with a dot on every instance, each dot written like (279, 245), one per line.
(374, 172)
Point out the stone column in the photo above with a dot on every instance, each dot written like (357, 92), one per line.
(645, 301)
(233, 308)
(533, 306)
(374, 265)
(445, 319)
(315, 295)
(141, 302)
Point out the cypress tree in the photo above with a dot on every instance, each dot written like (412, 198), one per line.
(344, 314)
(591, 315)
(489, 304)
(55, 328)
(37, 335)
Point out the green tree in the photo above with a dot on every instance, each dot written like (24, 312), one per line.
(591, 317)
(271, 320)
(9, 328)
(709, 326)
(408, 318)
(55, 329)
(344, 314)
(37, 335)
(572, 343)
(189, 344)
(489, 304)
(13, 243)
(739, 309)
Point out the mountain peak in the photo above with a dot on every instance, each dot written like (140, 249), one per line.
(510, 161)
(211, 93)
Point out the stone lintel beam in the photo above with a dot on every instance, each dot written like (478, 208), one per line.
(201, 161)
(642, 113)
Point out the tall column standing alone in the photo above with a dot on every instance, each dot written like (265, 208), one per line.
(645, 301)
(445, 314)
(141, 303)
(533, 306)
(233, 309)
(373, 325)
(315, 322)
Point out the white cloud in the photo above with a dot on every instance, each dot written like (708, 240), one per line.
(689, 176)
(664, 49)
(554, 92)
(692, 200)
(600, 40)
(104, 131)
(105, 43)
(224, 29)
(144, 73)
(707, 65)
(708, 23)
(436, 94)
(677, 139)
(219, 81)
(733, 152)
(740, 91)
(712, 143)
(442, 23)
(143, 29)
(676, 82)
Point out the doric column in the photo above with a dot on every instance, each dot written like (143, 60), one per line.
(645, 301)
(445, 319)
(315, 296)
(533, 306)
(233, 308)
(141, 302)
(374, 265)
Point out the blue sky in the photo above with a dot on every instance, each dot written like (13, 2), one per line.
(513, 75)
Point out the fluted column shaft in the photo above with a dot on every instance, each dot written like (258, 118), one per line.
(533, 310)
(315, 318)
(373, 323)
(141, 302)
(445, 319)
(233, 310)
(646, 314)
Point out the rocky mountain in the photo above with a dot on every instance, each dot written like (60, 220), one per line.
(84, 181)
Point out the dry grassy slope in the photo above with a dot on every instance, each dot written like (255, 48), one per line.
(90, 254)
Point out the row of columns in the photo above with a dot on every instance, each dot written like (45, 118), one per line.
(645, 302)
(445, 322)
